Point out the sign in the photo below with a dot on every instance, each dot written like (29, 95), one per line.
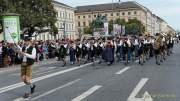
(11, 29)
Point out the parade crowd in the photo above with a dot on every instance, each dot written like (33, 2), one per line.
(123, 49)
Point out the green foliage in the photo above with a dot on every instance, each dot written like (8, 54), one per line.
(88, 30)
(133, 26)
(33, 13)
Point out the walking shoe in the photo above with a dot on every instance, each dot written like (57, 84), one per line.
(33, 89)
(64, 65)
(26, 95)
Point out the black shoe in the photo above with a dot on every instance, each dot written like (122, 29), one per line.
(64, 65)
(33, 89)
(26, 95)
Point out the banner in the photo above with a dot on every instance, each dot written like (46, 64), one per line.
(123, 30)
(11, 29)
(119, 29)
(106, 28)
(115, 29)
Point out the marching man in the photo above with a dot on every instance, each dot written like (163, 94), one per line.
(28, 55)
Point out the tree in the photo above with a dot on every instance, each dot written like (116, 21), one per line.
(134, 27)
(33, 13)
(88, 30)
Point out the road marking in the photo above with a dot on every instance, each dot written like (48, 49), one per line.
(54, 90)
(17, 85)
(87, 93)
(123, 70)
(138, 88)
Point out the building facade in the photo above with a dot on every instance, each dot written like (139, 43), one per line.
(65, 23)
(84, 15)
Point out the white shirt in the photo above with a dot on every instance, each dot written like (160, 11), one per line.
(121, 43)
(32, 56)
(129, 43)
(96, 44)
(136, 42)
(1, 50)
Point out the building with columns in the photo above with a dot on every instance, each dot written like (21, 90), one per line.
(84, 15)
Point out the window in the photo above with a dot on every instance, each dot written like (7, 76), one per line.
(84, 23)
(111, 14)
(95, 16)
(117, 14)
(89, 16)
(84, 17)
(63, 14)
(79, 24)
(69, 16)
(135, 12)
(123, 13)
(72, 27)
(60, 14)
(106, 15)
(79, 17)
(61, 26)
(129, 13)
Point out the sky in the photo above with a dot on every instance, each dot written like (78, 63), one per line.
(169, 10)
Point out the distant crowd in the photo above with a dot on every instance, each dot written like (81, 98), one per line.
(104, 49)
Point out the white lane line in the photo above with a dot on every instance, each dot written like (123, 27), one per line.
(123, 70)
(17, 85)
(139, 86)
(87, 93)
(20, 99)
(54, 90)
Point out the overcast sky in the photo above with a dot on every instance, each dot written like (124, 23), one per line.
(169, 10)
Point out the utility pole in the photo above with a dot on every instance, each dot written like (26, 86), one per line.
(113, 16)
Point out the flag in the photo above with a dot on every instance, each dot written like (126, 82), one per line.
(123, 30)
(106, 28)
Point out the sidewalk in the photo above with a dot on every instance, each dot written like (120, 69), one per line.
(16, 67)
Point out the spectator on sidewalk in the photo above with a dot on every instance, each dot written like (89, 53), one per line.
(1, 59)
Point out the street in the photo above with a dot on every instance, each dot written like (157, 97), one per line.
(98, 83)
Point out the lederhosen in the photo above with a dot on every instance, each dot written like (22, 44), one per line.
(62, 52)
(26, 66)
(72, 53)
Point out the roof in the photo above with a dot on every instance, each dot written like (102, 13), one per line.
(62, 4)
(108, 6)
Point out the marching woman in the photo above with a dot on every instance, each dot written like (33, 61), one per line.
(109, 53)
(72, 52)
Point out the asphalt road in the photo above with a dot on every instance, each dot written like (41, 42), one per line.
(98, 83)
